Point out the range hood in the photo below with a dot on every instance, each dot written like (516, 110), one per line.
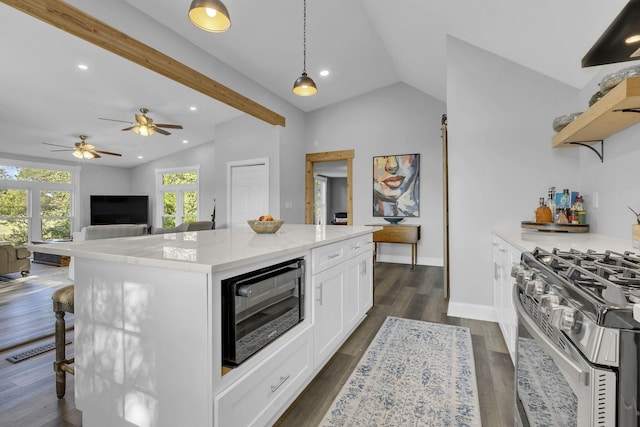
(612, 46)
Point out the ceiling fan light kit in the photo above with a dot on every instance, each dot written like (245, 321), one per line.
(144, 125)
(304, 85)
(210, 15)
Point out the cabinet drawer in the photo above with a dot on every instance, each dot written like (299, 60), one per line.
(359, 245)
(327, 256)
(262, 393)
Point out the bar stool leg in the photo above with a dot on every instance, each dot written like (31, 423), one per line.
(61, 379)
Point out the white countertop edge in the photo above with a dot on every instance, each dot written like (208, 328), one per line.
(110, 249)
(527, 240)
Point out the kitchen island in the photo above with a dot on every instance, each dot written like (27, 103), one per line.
(148, 322)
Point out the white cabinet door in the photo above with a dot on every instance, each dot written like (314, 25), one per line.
(351, 294)
(365, 283)
(328, 298)
(504, 257)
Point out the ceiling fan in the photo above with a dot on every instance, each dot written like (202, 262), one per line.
(82, 150)
(145, 126)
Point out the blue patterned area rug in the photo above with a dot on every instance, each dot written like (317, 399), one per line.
(414, 373)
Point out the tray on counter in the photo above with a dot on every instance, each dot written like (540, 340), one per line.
(550, 226)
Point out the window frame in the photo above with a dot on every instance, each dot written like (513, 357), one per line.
(179, 189)
(34, 188)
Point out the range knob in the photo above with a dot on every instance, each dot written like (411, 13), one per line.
(535, 287)
(549, 303)
(567, 319)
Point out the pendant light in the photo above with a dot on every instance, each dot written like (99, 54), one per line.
(304, 85)
(210, 15)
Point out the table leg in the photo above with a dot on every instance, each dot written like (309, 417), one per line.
(414, 251)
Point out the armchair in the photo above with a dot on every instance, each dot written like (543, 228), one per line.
(14, 259)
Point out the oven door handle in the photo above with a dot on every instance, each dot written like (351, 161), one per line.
(564, 362)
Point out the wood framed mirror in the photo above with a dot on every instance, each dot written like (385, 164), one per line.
(328, 156)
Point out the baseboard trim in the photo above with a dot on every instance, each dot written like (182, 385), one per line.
(472, 311)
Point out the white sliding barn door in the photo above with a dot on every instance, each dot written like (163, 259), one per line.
(248, 191)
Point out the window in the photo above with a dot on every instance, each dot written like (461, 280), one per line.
(36, 201)
(178, 190)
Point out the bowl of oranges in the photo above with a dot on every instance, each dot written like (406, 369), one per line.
(265, 224)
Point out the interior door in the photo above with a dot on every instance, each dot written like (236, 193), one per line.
(249, 191)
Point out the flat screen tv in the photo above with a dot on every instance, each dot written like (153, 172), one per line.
(119, 210)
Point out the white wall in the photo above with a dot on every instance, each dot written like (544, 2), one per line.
(500, 161)
(393, 120)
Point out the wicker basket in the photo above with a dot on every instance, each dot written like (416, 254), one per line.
(265, 227)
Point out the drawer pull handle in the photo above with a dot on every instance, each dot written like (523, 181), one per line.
(282, 381)
(355, 248)
(334, 255)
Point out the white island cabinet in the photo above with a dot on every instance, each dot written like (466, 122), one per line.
(148, 323)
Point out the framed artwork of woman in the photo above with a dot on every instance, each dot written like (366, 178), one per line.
(396, 186)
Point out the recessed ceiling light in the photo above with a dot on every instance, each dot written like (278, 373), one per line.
(193, 108)
(140, 156)
(184, 141)
(83, 66)
(324, 73)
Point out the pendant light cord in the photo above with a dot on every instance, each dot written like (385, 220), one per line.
(304, 39)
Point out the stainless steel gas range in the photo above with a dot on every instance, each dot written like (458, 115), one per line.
(578, 345)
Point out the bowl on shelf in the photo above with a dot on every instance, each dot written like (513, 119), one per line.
(265, 227)
(393, 220)
(560, 122)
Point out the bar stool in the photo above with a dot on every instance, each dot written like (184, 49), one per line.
(62, 302)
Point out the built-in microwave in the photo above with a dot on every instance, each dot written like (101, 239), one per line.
(260, 306)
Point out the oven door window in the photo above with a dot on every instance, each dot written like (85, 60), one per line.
(544, 396)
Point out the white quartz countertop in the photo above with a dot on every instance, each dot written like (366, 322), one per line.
(528, 240)
(207, 251)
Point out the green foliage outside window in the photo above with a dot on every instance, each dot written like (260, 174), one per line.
(190, 206)
(179, 178)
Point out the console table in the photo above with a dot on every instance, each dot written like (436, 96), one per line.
(398, 233)
(50, 259)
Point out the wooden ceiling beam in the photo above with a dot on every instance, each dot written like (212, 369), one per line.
(76, 22)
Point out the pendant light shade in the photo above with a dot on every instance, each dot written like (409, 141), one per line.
(304, 85)
(210, 15)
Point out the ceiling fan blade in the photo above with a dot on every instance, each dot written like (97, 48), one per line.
(68, 149)
(57, 145)
(94, 154)
(162, 131)
(130, 127)
(142, 119)
(168, 126)
(108, 152)
(114, 120)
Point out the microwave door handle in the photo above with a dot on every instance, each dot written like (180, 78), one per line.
(564, 362)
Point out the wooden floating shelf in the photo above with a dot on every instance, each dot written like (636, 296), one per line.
(601, 120)
(550, 226)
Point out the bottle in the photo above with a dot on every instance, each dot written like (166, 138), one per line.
(551, 203)
(578, 207)
(543, 213)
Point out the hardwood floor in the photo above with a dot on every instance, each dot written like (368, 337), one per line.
(27, 389)
(413, 295)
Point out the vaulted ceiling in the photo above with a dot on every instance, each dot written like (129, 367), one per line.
(365, 45)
